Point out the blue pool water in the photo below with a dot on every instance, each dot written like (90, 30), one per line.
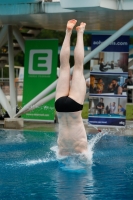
(29, 168)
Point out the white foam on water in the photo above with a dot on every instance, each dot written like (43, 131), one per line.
(79, 161)
(31, 162)
(55, 149)
(69, 163)
(35, 162)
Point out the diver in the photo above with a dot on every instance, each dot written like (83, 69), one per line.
(72, 138)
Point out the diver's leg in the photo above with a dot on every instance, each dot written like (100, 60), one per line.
(78, 85)
(63, 84)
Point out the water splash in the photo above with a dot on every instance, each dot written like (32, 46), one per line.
(36, 161)
(49, 157)
(29, 162)
(76, 162)
(93, 142)
(79, 161)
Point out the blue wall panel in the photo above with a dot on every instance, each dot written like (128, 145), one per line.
(18, 1)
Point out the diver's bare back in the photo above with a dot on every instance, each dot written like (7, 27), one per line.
(72, 135)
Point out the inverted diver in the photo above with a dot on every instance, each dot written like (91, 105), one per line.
(72, 138)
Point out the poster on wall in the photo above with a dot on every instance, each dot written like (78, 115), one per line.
(40, 72)
(108, 82)
(107, 111)
(114, 58)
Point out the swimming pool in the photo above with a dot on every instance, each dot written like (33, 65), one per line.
(29, 168)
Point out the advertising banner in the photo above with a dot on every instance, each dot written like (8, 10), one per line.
(40, 71)
(107, 111)
(108, 82)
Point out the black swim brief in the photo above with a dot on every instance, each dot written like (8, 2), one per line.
(66, 104)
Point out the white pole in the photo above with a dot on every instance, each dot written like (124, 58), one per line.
(4, 41)
(58, 71)
(3, 34)
(4, 102)
(2, 73)
(19, 37)
(130, 64)
(86, 59)
(87, 75)
(42, 101)
(130, 52)
(11, 70)
(37, 98)
(39, 103)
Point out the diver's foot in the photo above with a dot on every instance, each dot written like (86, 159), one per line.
(70, 24)
(81, 28)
